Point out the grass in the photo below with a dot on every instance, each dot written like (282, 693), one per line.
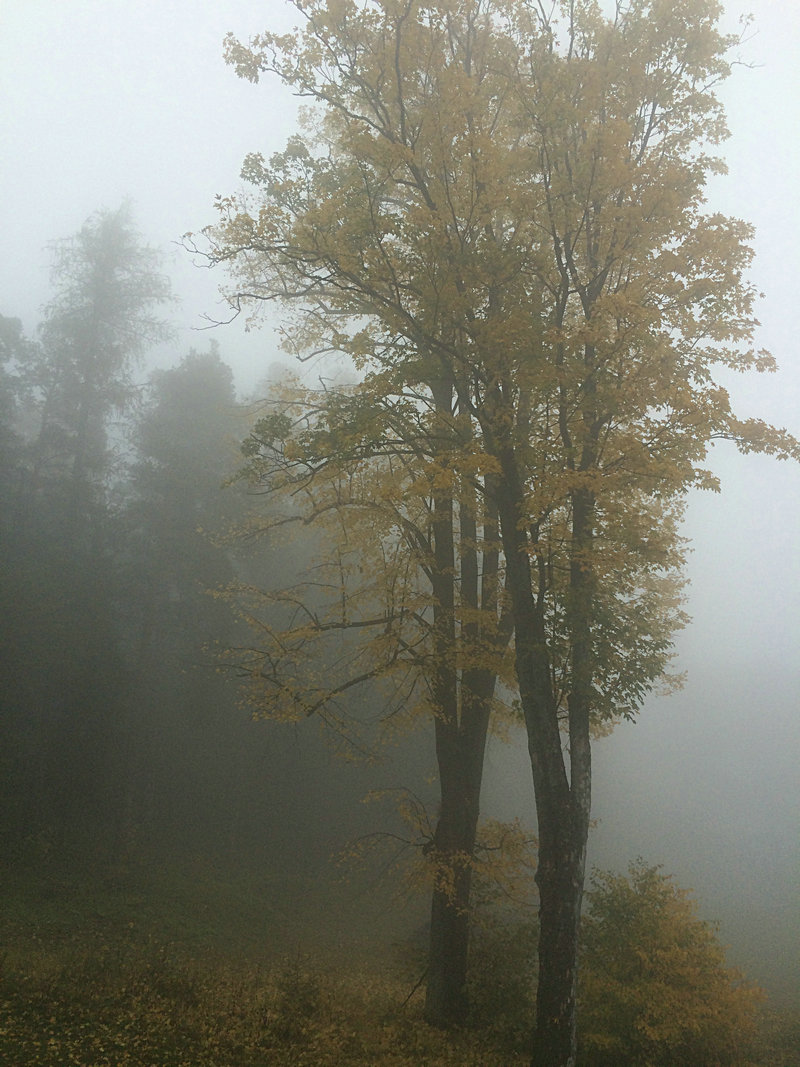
(111, 1005)
(184, 968)
(187, 968)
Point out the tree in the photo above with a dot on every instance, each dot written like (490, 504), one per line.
(500, 215)
(406, 602)
(179, 709)
(655, 989)
(16, 350)
(183, 439)
(60, 584)
(102, 318)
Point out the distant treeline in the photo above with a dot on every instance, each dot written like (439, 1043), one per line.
(122, 735)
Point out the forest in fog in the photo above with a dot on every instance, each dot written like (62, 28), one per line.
(147, 805)
(124, 735)
(352, 710)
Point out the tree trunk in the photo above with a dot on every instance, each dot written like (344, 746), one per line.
(562, 860)
(446, 997)
(462, 702)
(560, 878)
(460, 753)
(562, 795)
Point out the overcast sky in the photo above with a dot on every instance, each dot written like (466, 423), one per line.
(108, 99)
(111, 99)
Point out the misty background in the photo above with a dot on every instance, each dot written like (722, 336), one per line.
(104, 100)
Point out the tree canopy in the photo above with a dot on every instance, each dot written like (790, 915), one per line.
(104, 314)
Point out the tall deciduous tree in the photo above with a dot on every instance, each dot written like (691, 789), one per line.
(501, 216)
(407, 598)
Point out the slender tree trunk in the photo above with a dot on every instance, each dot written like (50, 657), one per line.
(445, 998)
(460, 753)
(454, 842)
(562, 790)
(565, 828)
(462, 702)
(560, 879)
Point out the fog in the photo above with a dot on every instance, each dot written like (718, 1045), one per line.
(706, 781)
(106, 100)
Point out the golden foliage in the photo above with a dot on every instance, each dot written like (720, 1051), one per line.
(161, 1009)
(499, 215)
(654, 985)
(501, 218)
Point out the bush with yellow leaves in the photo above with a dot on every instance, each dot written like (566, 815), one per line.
(655, 990)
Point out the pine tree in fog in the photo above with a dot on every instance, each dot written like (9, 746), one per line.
(103, 316)
(64, 682)
(179, 707)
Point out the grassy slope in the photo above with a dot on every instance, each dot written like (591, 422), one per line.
(187, 967)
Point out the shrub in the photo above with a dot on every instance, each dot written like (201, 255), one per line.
(655, 990)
